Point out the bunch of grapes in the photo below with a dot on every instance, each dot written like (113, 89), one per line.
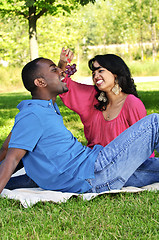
(70, 69)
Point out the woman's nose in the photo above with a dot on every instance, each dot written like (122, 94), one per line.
(95, 75)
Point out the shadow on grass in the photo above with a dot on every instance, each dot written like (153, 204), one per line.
(8, 105)
(150, 100)
(11, 100)
(67, 114)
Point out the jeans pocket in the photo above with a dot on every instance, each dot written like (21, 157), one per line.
(116, 183)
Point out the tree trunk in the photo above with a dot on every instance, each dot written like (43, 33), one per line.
(141, 44)
(153, 36)
(141, 33)
(33, 43)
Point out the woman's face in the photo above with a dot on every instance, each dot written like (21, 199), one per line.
(102, 78)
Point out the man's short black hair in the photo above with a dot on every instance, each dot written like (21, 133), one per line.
(29, 73)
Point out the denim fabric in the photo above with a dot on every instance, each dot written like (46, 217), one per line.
(125, 161)
(19, 166)
(146, 174)
(22, 181)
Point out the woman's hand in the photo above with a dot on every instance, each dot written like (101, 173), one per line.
(66, 55)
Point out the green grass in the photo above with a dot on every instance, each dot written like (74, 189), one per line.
(10, 78)
(149, 94)
(115, 216)
(145, 68)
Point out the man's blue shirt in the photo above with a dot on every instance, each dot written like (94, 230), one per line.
(55, 159)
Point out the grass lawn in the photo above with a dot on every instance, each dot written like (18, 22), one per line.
(115, 216)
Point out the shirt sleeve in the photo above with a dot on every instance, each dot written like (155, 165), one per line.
(136, 109)
(26, 132)
(80, 97)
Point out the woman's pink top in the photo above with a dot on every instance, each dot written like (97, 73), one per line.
(81, 99)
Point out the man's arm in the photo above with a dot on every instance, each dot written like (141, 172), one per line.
(4, 148)
(13, 157)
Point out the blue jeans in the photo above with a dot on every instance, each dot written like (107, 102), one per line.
(125, 161)
(21, 181)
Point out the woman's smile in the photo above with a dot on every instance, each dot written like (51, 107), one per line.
(99, 81)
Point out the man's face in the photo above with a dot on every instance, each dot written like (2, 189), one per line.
(53, 76)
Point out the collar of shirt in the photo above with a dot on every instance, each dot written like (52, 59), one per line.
(43, 103)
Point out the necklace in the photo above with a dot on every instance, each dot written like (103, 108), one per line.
(107, 118)
(106, 115)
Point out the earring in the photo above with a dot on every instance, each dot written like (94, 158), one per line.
(116, 89)
(102, 97)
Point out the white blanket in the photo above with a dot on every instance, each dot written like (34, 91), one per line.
(30, 196)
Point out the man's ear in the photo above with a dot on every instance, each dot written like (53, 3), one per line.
(40, 82)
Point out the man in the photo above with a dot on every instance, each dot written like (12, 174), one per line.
(55, 160)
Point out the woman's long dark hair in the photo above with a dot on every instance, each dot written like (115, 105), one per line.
(115, 65)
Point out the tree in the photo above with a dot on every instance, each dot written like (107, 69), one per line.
(32, 10)
(14, 44)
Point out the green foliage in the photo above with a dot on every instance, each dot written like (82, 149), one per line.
(32, 10)
(14, 47)
(21, 7)
(133, 23)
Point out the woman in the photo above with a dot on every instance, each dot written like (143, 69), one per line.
(111, 105)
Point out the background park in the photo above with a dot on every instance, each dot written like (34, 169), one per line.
(30, 28)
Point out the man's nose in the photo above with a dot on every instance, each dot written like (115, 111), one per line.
(60, 71)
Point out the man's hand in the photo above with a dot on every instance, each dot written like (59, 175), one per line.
(7, 167)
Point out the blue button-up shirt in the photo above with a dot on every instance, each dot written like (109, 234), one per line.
(55, 159)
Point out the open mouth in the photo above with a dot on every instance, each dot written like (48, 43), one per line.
(99, 82)
(62, 78)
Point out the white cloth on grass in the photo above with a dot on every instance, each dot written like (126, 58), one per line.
(30, 196)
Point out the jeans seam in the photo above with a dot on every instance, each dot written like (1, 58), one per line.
(109, 183)
(147, 171)
(130, 141)
(106, 167)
